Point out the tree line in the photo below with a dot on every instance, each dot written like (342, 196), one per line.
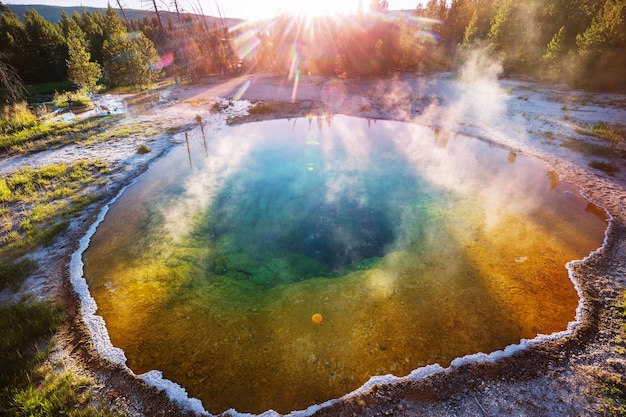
(82, 48)
(579, 41)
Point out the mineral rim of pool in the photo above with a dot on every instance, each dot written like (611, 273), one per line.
(280, 264)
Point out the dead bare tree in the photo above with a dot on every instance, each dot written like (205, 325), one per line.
(11, 81)
(158, 16)
(180, 21)
(119, 4)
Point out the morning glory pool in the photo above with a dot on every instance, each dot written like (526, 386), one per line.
(279, 264)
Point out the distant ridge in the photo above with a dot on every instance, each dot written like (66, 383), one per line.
(53, 13)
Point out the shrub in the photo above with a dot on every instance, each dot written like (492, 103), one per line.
(143, 148)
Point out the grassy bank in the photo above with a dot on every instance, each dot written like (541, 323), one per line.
(36, 207)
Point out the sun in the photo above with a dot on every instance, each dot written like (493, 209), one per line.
(322, 7)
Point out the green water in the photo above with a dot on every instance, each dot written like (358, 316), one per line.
(415, 246)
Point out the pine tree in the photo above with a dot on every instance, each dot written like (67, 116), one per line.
(457, 19)
(479, 23)
(45, 49)
(470, 31)
(436, 9)
(602, 47)
(80, 70)
(499, 35)
(13, 40)
(64, 23)
(607, 31)
(93, 26)
(130, 60)
(555, 50)
(113, 24)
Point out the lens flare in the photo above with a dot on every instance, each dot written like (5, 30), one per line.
(293, 61)
(165, 61)
(246, 44)
(242, 90)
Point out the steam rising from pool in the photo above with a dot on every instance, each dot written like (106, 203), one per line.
(416, 246)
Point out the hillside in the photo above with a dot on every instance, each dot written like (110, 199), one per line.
(53, 13)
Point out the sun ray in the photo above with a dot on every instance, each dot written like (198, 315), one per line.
(320, 7)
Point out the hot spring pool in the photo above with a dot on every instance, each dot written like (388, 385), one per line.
(414, 246)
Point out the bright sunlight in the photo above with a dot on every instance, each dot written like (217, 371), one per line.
(321, 7)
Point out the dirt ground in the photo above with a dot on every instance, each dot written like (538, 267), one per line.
(561, 376)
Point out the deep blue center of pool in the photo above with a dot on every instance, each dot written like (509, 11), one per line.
(289, 214)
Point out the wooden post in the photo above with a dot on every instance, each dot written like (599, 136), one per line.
(206, 150)
(188, 150)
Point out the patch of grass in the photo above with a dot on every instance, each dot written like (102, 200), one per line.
(604, 166)
(26, 225)
(10, 237)
(37, 202)
(593, 149)
(603, 131)
(28, 185)
(13, 273)
(173, 130)
(42, 136)
(49, 88)
(16, 117)
(25, 329)
(46, 236)
(57, 395)
(75, 98)
(120, 132)
(5, 192)
(42, 212)
(27, 387)
(262, 108)
(198, 101)
(17, 139)
(614, 392)
(549, 134)
(78, 202)
(613, 386)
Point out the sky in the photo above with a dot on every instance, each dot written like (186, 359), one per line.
(244, 9)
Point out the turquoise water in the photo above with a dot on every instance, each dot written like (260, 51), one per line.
(297, 210)
(413, 246)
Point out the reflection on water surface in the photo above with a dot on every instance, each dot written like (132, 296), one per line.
(415, 246)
